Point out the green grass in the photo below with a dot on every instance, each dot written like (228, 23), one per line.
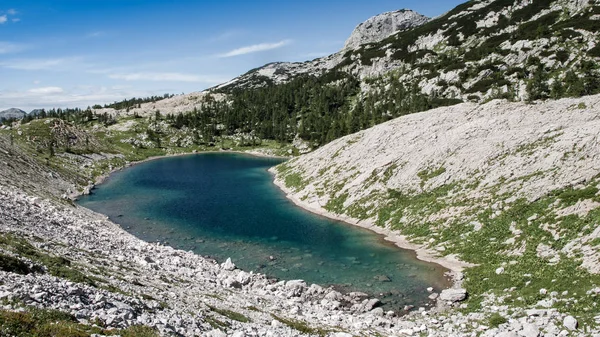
(236, 316)
(57, 266)
(35, 322)
(301, 326)
(496, 319)
(294, 181)
(12, 264)
(425, 175)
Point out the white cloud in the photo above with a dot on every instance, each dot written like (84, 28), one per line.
(41, 64)
(256, 48)
(47, 90)
(11, 12)
(3, 19)
(75, 97)
(165, 77)
(16, 20)
(9, 47)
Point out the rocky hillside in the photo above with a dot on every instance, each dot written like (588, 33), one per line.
(511, 188)
(12, 113)
(479, 50)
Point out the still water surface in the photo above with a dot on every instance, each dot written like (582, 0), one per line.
(225, 205)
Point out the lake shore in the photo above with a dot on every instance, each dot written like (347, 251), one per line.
(101, 178)
(454, 265)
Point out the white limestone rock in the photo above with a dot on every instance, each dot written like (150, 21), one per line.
(383, 25)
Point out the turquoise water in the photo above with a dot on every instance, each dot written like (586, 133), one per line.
(225, 205)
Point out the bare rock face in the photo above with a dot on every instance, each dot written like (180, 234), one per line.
(383, 25)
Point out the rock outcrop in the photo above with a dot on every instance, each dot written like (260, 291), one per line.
(383, 25)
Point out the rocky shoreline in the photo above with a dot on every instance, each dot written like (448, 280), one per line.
(454, 265)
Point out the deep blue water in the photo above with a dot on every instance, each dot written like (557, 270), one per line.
(225, 205)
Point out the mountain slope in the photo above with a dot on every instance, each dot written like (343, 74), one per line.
(479, 50)
(12, 113)
(510, 187)
(374, 29)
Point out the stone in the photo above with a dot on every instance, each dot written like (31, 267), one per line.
(228, 265)
(570, 323)
(341, 334)
(453, 295)
(500, 270)
(216, 333)
(368, 305)
(529, 330)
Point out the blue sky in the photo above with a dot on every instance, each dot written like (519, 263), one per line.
(75, 53)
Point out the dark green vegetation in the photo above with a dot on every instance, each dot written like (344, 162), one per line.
(459, 25)
(318, 109)
(55, 265)
(35, 322)
(134, 102)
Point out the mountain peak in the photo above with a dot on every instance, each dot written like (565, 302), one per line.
(383, 25)
(12, 113)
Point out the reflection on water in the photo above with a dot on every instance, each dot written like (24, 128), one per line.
(225, 205)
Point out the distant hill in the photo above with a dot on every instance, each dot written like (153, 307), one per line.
(36, 112)
(12, 113)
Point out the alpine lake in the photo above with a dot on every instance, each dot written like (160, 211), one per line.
(222, 205)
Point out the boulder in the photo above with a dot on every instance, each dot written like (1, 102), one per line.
(570, 323)
(228, 265)
(453, 295)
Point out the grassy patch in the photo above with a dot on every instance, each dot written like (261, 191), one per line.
(300, 326)
(236, 316)
(571, 196)
(295, 181)
(496, 319)
(12, 264)
(57, 266)
(425, 175)
(35, 322)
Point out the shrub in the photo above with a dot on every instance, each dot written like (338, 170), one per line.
(496, 319)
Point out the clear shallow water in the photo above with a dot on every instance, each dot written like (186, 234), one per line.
(225, 205)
